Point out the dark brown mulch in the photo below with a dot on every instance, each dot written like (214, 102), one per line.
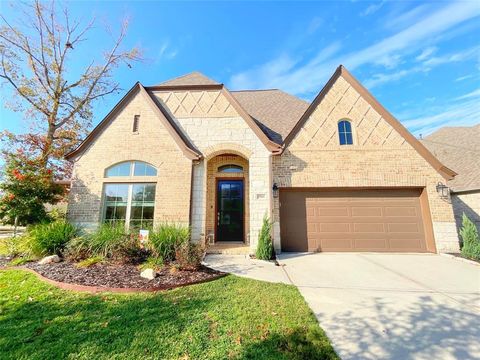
(121, 276)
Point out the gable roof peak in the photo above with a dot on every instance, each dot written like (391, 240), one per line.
(193, 78)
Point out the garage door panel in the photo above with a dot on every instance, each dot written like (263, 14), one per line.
(370, 244)
(400, 211)
(352, 220)
(404, 228)
(372, 227)
(366, 211)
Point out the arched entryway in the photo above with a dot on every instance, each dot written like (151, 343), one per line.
(227, 205)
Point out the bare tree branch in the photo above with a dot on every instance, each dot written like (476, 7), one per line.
(34, 58)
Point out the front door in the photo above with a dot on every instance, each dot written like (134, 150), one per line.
(229, 210)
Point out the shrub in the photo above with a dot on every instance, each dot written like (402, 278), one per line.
(20, 261)
(108, 241)
(265, 246)
(90, 261)
(155, 263)
(15, 246)
(48, 239)
(165, 238)
(189, 255)
(470, 239)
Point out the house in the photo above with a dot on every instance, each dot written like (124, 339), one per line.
(459, 149)
(338, 174)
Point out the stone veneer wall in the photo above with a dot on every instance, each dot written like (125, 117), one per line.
(212, 175)
(214, 128)
(118, 143)
(380, 157)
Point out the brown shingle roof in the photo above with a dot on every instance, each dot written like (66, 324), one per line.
(193, 78)
(274, 110)
(459, 149)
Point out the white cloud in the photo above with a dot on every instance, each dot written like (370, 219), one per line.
(305, 77)
(461, 111)
(426, 53)
(461, 78)
(314, 25)
(373, 8)
(166, 52)
(473, 94)
(398, 21)
(382, 78)
(453, 57)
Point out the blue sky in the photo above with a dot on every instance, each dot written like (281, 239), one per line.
(420, 59)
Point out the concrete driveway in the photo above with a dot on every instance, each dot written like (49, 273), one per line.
(389, 306)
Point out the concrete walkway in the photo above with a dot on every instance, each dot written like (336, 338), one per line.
(392, 306)
(242, 265)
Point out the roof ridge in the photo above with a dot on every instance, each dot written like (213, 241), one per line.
(245, 90)
(192, 73)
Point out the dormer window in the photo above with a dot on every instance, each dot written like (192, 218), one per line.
(345, 132)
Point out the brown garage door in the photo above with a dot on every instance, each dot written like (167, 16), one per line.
(352, 220)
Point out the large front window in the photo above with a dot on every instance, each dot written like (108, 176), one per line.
(130, 204)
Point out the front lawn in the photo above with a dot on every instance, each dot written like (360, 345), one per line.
(227, 318)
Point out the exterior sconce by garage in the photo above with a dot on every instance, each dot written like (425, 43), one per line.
(443, 190)
(275, 190)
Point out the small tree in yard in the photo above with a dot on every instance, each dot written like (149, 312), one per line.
(265, 246)
(25, 188)
(55, 74)
(470, 239)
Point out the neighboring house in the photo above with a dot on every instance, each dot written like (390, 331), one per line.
(459, 149)
(339, 174)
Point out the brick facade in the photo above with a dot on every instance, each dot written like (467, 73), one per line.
(468, 203)
(379, 157)
(117, 143)
(185, 191)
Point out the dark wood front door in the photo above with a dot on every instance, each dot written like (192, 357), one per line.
(230, 210)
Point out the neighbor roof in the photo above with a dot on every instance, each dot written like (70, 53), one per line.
(194, 78)
(459, 149)
(276, 111)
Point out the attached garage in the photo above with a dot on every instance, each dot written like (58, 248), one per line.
(376, 220)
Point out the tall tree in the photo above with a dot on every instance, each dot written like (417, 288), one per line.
(35, 53)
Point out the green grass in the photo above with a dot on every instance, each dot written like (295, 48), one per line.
(227, 318)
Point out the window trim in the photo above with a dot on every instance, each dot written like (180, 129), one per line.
(128, 211)
(131, 170)
(221, 168)
(339, 133)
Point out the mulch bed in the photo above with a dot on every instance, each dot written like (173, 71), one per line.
(112, 276)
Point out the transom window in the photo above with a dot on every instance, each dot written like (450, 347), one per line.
(129, 204)
(131, 168)
(230, 168)
(345, 132)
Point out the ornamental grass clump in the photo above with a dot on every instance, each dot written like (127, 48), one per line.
(265, 246)
(470, 239)
(165, 238)
(50, 238)
(110, 241)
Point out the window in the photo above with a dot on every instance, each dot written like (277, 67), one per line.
(136, 119)
(131, 168)
(130, 204)
(230, 168)
(345, 132)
